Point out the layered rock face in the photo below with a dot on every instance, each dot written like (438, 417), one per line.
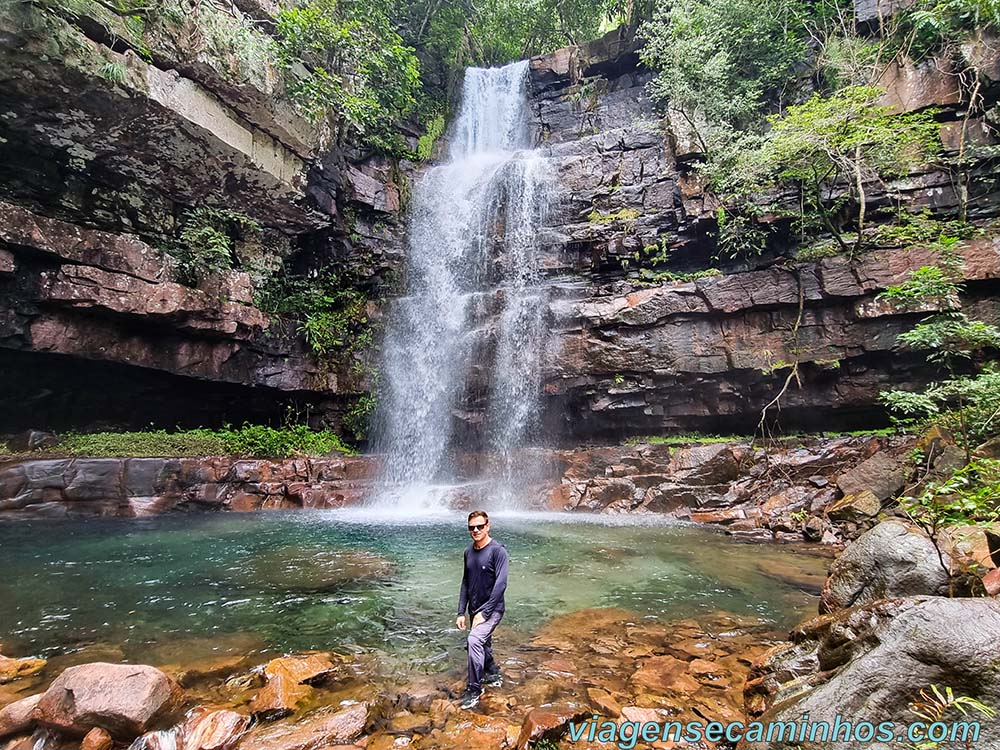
(109, 137)
(633, 355)
(144, 486)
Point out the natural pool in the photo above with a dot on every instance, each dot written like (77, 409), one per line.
(175, 587)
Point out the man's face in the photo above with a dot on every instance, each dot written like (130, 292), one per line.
(479, 527)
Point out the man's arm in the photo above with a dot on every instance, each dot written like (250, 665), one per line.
(463, 592)
(499, 585)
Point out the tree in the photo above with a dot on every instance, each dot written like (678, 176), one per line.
(830, 148)
(969, 401)
(722, 63)
(357, 65)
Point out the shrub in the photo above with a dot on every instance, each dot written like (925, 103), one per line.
(256, 441)
(207, 241)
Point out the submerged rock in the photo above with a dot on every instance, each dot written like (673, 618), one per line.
(279, 698)
(14, 669)
(548, 722)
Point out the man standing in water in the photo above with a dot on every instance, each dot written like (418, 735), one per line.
(483, 584)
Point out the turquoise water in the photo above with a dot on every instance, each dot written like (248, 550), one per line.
(350, 582)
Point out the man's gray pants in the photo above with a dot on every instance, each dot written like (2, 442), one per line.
(481, 648)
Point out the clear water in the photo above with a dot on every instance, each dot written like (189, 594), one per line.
(465, 340)
(353, 582)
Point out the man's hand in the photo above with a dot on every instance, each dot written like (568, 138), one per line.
(460, 622)
(478, 619)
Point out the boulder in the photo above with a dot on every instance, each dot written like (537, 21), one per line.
(881, 475)
(891, 560)
(15, 718)
(125, 699)
(869, 663)
(327, 726)
(32, 440)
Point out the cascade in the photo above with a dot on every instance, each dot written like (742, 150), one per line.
(463, 344)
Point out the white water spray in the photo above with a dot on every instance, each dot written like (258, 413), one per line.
(470, 326)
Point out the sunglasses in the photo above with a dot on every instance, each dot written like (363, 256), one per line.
(477, 527)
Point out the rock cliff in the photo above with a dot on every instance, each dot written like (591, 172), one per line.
(109, 136)
(633, 355)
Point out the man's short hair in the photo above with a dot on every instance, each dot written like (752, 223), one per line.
(482, 513)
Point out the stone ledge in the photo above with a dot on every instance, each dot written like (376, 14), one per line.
(134, 487)
(158, 128)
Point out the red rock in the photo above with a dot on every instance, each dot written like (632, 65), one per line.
(664, 674)
(604, 702)
(300, 668)
(992, 582)
(214, 730)
(126, 700)
(15, 718)
(327, 726)
(278, 698)
(548, 721)
(97, 739)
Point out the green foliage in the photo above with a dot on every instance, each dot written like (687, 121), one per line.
(966, 403)
(819, 142)
(926, 284)
(951, 337)
(357, 66)
(740, 235)
(256, 441)
(623, 216)
(723, 62)
(817, 251)
(692, 438)
(969, 496)
(357, 419)
(323, 332)
(262, 441)
(425, 144)
(332, 314)
(207, 240)
(114, 71)
(818, 145)
(923, 229)
(937, 24)
(647, 275)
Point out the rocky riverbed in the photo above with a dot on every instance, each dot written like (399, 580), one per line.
(867, 662)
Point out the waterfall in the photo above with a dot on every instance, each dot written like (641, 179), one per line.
(463, 345)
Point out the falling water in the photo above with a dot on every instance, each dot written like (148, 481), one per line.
(470, 323)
